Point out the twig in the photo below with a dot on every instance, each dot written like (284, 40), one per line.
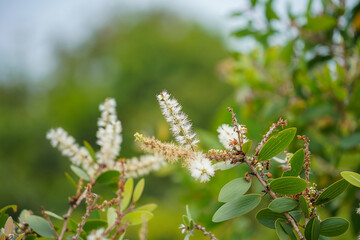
(206, 233)
(273, 195)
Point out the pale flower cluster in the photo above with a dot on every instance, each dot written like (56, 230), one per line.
(201, 168)
(179, 122)
(96, 234)
(109, 133)
(109, 139)
(228, 134)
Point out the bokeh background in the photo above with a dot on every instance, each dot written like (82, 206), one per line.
(266, 59)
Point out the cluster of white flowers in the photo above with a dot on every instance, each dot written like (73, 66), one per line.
(109, 139)
(201, 168)
(109, 133)
(179, 123)
(137, 167)
(78, 155)
(227, 134)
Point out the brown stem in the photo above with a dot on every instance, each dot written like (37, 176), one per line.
(206, 233)
(273, 195)
(48, 219)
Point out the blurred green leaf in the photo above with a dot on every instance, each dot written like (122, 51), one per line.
(93, 224)
(237, 207)
(20, 236)
(51, 214)
(320, 23)
(268, 218)
(234, 189)
(331, 192)
(288, 185)
(4, 209)
(138, 217)
(352, 177)
(128, 189)
(276, 144)
(332, 227)
(9, 226)
(138, 190)
(147, 207)
(247, 146)
(111, 216)
(40, 226)
(71, 180)
(90, 150)
(80, 173)
(350, 142)
(108, 177)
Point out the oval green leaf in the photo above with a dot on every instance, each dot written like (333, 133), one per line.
(284, 204)
(93, 224)
(280, 231)
(331, 192)
(234, 189)
(40, 226)
(138, 190)
(352, 177)
(128, 189)
(237, 207)
(333, 227)
(90, 150)
(276, 144)
(312, 229)
(108, 177)
(20, 236)
(296, 163)
(80, 173)
(288, 185)
(247, 146)
(268, 218)
(4, 209)
(147, 207)
(111, 216)
(138, 217)
(54, 215)
(304, 206)
(9, 226)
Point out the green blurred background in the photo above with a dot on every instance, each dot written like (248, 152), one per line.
(301, 66)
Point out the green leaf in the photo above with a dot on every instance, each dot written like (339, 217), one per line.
(93, 224)
(304, 206)
(352, 177)
(188, 212)
(234, 189)
(71, 180)
(90, 150)
(108, 177)
(138, 217)
(333, 227)
(224, 165)
(20, 236)
(24, 215)
(331, 192)
(147, 207)
(276, 144)
(288, 185)
(111, 216)
(320, 23)
(40, 226)
(312, 229)
(284, 204)
(247, 146)
(80, 173)
(186, 220)
(73, 224)
(138, 190)
(128, 189)
(296, 163)
(51, 214)
(237, 207)
(280, 231)
(9, 226)
(4, 209)
(268, 218)
(288, 229)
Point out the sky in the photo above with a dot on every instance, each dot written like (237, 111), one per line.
(29, 30)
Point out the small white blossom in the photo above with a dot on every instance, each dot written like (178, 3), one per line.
(201, 168)
(358, 210)
(183, 228)
(109, 133)
(228, 134)
(179, 123)
(96, 235)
